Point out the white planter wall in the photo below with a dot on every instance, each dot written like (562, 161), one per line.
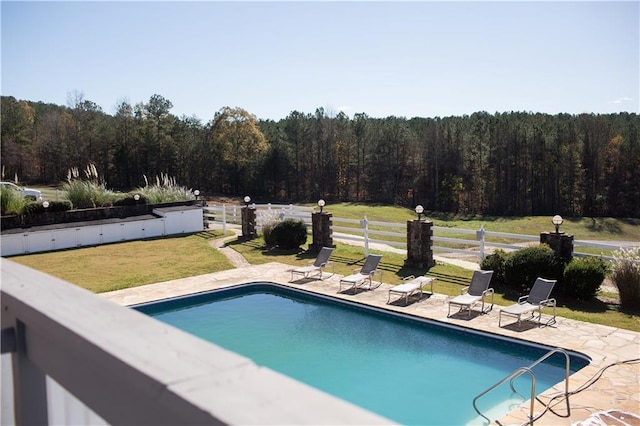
(171, 221)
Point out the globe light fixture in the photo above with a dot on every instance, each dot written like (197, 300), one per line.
(419, 210)
(45, 204)
(321, 203)
(557, 221)
(196, 193)
(247, 200)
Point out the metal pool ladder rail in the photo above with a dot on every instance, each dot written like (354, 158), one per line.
(520, 371)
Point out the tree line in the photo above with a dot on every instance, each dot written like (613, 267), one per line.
(514, 163)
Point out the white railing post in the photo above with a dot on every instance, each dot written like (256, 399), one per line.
(480, 237)
(364, 223)
(224, 219)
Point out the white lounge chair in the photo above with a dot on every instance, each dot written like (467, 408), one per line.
(537, 299)
(364, 276)
(412, 285)
(477, 291)
(317, 267)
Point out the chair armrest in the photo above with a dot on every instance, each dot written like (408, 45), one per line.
(548, 302)
(488, 291)
(522, 299)
(464, 290)
(409, 278)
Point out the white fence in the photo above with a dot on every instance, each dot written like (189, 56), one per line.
(477, 243)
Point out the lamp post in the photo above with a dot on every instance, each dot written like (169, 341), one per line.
(557, 221)
(321, 203)
(196, 193)
(247, 200)
(419, 210)
(137, 198)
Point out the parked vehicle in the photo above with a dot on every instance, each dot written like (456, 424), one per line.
(25, 192)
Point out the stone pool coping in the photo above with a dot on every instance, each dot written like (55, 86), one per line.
(617, 389)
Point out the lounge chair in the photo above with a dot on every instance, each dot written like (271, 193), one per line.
(317, 267)
(477, 291)
(537, 299)
(411, 285)
(364, 276)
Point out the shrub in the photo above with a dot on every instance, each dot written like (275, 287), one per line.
(290, 234)
(130, 200)
(626, 276)
(523, 266)
(495, 262)
(582, 277)
(267, 220)
(54, 206)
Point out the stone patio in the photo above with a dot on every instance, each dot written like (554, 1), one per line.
(617, 391)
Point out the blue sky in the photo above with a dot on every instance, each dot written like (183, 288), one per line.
(408, 59)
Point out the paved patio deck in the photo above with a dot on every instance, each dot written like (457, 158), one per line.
(617, 389)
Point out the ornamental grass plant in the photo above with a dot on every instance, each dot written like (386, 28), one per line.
(11, 201)
(165, 190)
(626, 277)
(88, 192)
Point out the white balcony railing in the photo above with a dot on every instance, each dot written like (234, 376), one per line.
(129, 368)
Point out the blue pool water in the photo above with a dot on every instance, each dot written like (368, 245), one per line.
(408, 370)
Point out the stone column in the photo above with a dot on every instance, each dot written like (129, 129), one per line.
(560, 242)
(419, 251)
(321, 230)
(248, 216)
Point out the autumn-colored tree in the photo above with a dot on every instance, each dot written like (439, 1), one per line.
(241, 145)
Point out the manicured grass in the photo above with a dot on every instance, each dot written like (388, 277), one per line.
(130, 264)
(581, 228)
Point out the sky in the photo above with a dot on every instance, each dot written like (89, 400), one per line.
(404, 59)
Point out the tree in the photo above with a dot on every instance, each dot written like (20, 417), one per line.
(241, 145)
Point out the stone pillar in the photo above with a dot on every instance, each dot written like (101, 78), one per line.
(560, 242)
(419, 251)
(321, 230)
(248, 216)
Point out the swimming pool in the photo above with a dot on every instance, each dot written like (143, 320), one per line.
(410, 370)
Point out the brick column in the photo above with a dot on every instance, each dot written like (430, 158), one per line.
(560, 242)
(248, 216)
(419, 251)
(321, 230)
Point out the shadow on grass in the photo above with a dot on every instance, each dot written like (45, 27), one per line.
(603, 224)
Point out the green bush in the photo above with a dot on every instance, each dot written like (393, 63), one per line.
(268, 235)
(54, 206)
(583, 276)
(495, 262)
(130, 200)
(289, 234)
(626, 276)
(523, 266)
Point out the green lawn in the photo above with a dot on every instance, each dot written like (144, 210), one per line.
(128, 264)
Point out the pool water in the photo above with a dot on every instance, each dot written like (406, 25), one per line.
(410, 371)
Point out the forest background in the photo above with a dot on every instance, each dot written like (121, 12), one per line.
(507, 164)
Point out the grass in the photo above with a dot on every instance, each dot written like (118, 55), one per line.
(582, 228)
(129, 264)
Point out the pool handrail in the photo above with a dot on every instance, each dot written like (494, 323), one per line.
(519, 371)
